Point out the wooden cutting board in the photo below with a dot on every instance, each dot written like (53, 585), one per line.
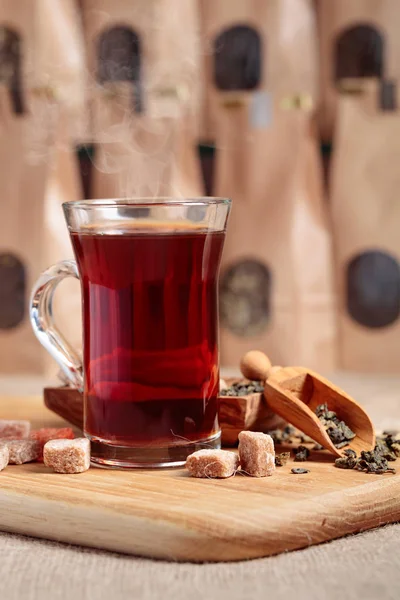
(168, 515)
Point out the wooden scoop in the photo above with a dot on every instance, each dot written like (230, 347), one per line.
(295, 392)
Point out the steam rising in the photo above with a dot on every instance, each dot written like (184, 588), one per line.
(143, 117)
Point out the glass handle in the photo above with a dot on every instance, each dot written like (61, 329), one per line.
(41, 315)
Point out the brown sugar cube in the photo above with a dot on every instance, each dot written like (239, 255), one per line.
(4, 457)
(15, 430)
(51, 433)
(257, 453)
(212, 463)
(21, 451)
(67, 456)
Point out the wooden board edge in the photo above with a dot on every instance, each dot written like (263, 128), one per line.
(255, 535)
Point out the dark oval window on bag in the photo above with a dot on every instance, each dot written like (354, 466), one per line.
(237, 59)
(12, 291)
(245, 297)
(373, 289)
(10, 66)
(359, 53)
(119, 58)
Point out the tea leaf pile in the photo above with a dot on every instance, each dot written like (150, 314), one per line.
(339, 433)
(376, 461)
(243, 388)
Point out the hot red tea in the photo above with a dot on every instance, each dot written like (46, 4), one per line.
(150, 334)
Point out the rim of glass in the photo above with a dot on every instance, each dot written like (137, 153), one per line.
(147, 201)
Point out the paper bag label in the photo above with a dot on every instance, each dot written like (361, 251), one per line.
(260, 110)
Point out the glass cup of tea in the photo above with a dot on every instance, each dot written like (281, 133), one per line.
(148, 270)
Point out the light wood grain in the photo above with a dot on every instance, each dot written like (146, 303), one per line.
(166, 514)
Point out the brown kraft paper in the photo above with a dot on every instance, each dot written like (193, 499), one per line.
(39, 173)
(358, 38)
(276, 291)
(144, 65)
(253, 46)
(366, 214)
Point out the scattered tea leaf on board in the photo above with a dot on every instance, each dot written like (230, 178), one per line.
(301, 454)
(282, 436)
(373, 462)
(289, 435)
(282, 458)
(348, 461)
(299, 471)
(390, 441)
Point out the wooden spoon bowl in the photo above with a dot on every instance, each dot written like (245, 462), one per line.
(295, 392)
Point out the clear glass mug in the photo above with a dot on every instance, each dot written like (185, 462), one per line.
(150, 371)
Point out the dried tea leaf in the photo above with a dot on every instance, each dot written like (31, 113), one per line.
(373, 462)
(339, 433)
(336, 435)
(299, 471)
(282, 458)
(243, 388)
(345, 463)
(317, 447)
(348, 461)
(342, 444)
(347, 432)
(282, 436)
(396, 449)
(350, 453)
(387, 454)
(301, 454)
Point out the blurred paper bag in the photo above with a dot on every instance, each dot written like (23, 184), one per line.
(59, 61)
(366, 217)
(144, 59)
(276, 279)
(358, 39)
(38, 174)
(253, 46)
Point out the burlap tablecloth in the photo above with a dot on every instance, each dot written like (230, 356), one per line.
(365, 566)
(362, 567)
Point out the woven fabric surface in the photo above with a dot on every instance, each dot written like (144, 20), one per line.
(366, 566)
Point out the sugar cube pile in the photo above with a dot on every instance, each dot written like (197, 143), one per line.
(256, 458)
